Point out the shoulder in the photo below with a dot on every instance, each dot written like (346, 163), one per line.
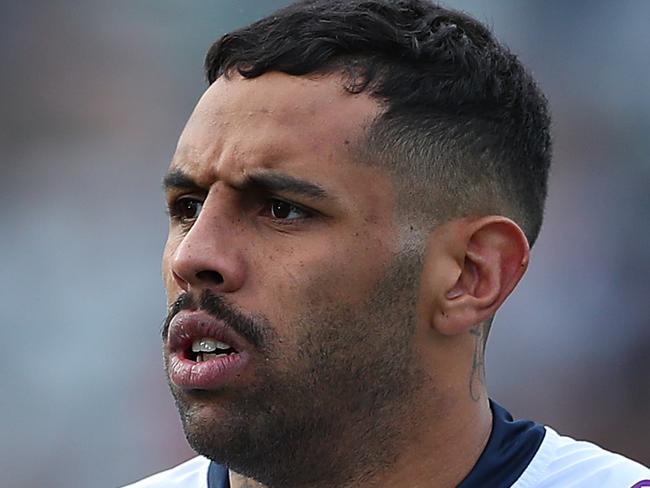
(190, 474)
(565, 462)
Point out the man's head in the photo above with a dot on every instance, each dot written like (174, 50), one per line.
(343, 204)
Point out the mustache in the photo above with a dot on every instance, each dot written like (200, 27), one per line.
(255, 329)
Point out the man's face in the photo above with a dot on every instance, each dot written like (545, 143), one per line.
(286, 249)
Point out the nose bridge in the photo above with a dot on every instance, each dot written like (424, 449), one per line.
(208, 256)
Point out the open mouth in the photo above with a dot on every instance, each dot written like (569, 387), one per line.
(204, 353)
(207, 348)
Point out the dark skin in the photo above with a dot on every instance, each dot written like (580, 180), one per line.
(296, 133)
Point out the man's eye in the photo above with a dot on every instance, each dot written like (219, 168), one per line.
(285, 211)
(186, 209)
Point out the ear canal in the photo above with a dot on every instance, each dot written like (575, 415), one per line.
(455, 292)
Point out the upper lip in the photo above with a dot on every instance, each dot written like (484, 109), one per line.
(189, 326)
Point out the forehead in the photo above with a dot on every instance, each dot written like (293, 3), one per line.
(276, 121)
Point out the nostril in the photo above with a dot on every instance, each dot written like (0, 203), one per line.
(212, 277)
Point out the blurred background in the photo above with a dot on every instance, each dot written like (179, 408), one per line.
(94, 95)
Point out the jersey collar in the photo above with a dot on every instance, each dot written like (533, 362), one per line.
(510, 449)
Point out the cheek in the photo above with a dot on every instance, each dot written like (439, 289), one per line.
(171, 287)
(338, 274)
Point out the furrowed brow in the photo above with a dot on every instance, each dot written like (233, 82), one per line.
(268, 182)
(177, 180)
(273, 182)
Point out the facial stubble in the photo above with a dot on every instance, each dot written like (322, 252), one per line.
(333, 409)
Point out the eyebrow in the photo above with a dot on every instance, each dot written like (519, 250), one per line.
(176, 179)
(272, 182)
(267, 181)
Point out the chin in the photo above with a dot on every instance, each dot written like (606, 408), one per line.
(207, 423)
(201, 407)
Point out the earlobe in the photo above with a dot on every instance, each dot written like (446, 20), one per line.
(479, 265)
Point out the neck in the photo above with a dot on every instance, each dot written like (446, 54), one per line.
(443, 447)
(445, 452)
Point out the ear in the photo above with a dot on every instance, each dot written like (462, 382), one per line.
(471, 267)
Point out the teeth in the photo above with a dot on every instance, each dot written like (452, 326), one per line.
(205, 356)
(204, 345)
(208, 345)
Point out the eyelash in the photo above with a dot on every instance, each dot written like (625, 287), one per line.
(269, 203)
(176, 211)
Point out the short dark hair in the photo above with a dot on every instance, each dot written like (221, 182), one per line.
(464, 128)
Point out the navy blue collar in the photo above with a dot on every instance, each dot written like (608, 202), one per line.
(218, 476)
(510, 449)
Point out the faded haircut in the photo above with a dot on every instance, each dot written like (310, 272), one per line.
(464, 128)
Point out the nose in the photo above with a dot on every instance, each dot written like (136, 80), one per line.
(209, 255)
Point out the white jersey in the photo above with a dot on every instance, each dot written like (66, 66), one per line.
(190, 474)
(519, 454)
(564, 462)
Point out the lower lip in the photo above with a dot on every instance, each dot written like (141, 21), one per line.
(207, 375)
